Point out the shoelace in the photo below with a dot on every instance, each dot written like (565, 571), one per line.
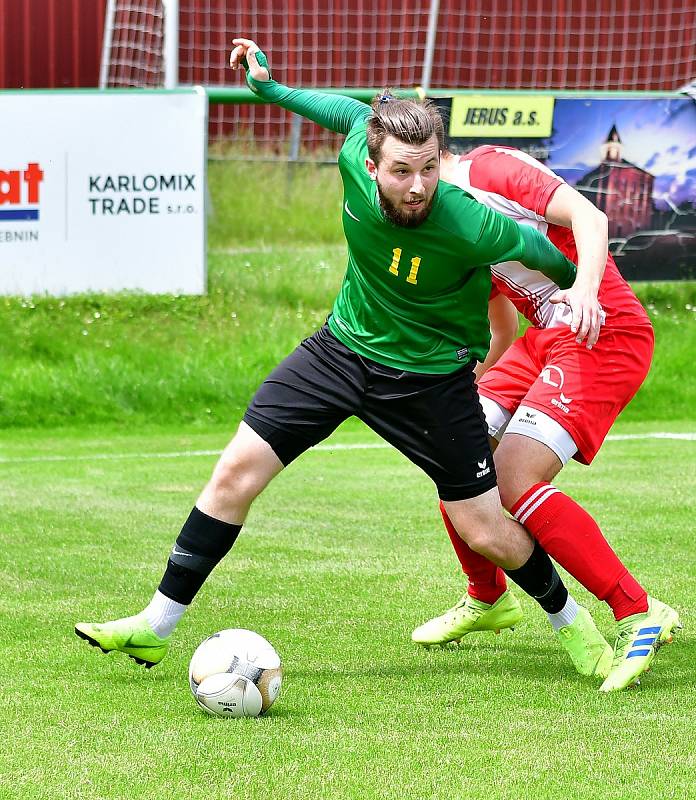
(624, 639)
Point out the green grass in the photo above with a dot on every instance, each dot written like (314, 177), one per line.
(131, 359)
(273, 204)
(340, 558)
(333, 573)
(276, 260)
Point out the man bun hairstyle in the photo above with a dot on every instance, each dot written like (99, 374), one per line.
(410, 121)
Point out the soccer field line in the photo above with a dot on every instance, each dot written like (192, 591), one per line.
(621, 437)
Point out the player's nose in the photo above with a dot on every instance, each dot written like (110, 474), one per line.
(417, 185)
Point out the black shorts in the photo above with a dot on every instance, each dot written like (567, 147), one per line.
(434, 420)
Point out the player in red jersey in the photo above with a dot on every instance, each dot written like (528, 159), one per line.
(548, 398)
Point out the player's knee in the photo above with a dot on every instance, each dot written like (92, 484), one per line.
(479, 535)
(237, 475)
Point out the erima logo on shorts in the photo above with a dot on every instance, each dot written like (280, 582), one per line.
(483, 468)
(553, 376)
(560, 404)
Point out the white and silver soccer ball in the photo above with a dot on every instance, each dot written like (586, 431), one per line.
(235, 673)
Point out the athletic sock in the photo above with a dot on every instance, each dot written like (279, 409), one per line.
(486, 581)
(202, 543)
(539, 579)
(573, 539)
(163, 614)
(565, 616)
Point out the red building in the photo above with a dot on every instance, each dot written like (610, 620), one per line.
(620, 189)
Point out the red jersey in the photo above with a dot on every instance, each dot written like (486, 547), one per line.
(519, 186)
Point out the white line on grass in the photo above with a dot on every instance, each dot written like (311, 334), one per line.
(690, 437)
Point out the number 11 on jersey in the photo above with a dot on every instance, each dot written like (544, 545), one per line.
(415, 264)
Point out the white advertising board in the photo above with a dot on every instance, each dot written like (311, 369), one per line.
(102, 191)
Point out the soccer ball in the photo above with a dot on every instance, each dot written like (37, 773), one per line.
(235, 673)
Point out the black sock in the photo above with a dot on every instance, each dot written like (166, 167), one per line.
(202, 543)
(539, 579)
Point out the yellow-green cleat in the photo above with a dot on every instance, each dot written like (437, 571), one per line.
(469, 616)
(638, 639)
(588, 649)
(130, 635)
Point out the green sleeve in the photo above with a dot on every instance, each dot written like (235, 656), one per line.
(503, 239)
(538, 253)
(335, 112)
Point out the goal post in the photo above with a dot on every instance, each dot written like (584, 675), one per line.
(170, 46)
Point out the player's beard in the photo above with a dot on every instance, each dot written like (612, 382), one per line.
(401, 218)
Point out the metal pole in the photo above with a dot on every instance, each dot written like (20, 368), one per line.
(295, 141)
(107, 38)
(171, 43)
(430, 44)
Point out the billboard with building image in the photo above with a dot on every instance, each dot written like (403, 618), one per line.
(633, 157)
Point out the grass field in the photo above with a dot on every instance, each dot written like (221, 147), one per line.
(276, 261)
(339, 560)
(112, 411)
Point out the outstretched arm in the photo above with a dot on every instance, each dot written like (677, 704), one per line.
(569, 208)
(506, 240)
(538, 253)
(335, 112)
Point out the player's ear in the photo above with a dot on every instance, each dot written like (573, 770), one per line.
(371, 168)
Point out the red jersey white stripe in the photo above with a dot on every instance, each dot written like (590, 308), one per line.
(519, 186)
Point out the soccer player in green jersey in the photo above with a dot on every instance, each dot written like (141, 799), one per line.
(398, 351)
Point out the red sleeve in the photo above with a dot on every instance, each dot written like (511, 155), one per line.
(495, 291)
(514, 175)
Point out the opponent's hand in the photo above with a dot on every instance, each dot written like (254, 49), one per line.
(245, 49)
(588, 315)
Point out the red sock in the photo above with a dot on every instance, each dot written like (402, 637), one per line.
(572, 538)
(486, 581)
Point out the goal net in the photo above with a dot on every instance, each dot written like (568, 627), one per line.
(483, 44)
(133, 47)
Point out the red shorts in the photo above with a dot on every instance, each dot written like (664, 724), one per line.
(583, 390)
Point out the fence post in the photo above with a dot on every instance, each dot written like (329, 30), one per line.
(295, 141)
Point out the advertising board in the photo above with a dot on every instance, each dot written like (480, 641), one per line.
(633, 157)
(102, 192)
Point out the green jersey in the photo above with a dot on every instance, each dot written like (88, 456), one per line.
(415, 299)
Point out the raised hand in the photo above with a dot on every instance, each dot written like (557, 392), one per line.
(246, 49)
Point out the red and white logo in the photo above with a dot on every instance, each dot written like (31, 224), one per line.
(553, 376)
(20, 193)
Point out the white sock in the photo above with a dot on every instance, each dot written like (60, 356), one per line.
(163, 614)
(565, 616)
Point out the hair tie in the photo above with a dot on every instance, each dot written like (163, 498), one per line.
(385, 98)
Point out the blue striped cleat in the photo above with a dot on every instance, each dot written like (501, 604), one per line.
(638, 639)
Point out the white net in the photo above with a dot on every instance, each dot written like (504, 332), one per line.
(483, 44)
(134, 44)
